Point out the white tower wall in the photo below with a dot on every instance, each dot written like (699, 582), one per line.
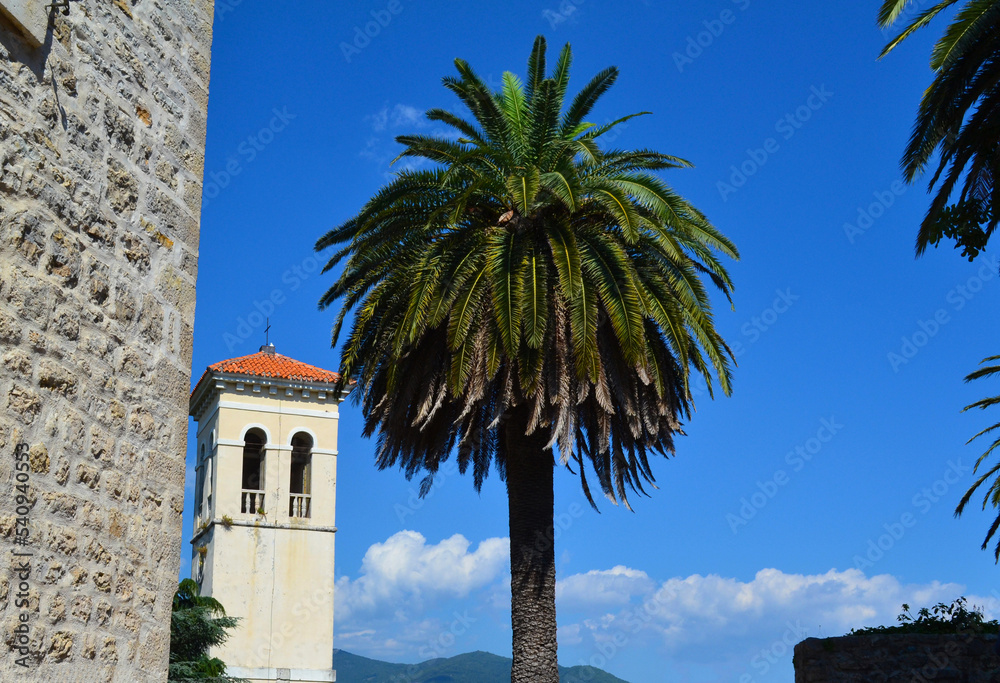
(273, 570)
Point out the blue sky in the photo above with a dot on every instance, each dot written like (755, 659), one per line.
(844, 431)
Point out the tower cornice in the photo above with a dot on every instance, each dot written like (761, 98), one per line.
(265, 373)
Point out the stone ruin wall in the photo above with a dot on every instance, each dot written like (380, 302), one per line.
(102, 136)
(898, 658)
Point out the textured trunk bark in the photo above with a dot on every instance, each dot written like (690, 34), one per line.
(532, 554)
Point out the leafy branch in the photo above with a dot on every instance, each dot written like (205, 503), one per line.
(939, 619)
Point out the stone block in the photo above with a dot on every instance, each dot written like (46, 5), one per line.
(30, 16)
(123, 189)
(898, 658)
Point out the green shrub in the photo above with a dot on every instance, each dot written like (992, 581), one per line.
(941, 618)
(197, 623)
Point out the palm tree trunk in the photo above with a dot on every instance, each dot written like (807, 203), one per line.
(532, 553)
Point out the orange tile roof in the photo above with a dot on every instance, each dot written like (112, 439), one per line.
(264, 364)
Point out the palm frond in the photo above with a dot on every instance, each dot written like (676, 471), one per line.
(528, 276)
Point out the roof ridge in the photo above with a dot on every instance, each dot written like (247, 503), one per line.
(275, 365)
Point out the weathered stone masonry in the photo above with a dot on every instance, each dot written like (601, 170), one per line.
(102, 133)
(898, 658)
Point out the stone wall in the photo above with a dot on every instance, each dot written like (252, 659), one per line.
(898, 658)
(102, 134)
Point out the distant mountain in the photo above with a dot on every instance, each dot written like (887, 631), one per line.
(474, 667)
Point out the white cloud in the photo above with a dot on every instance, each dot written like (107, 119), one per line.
(417, 600)
(412, 600)
(608, 588)
(569, 635)
(397, 116)
(405, 115)
(379, 119)
(381, 148)
(405, 572)
(726, 621)
(373, 152)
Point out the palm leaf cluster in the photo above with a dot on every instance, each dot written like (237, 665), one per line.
(992, 495)
(527, 268)
(197, 623)
(959, 117)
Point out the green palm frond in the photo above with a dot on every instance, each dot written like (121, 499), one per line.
(992, 495)
(891, 11)
(969, 27)
(536, 68)
(958, 119)
(197, 623)
(585, 100)
(528, 273)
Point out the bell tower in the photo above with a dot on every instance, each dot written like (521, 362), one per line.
(264, 514)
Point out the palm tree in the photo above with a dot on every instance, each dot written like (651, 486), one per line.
(196, 624)
(993, 492)
(531, 296)
(959, 117)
